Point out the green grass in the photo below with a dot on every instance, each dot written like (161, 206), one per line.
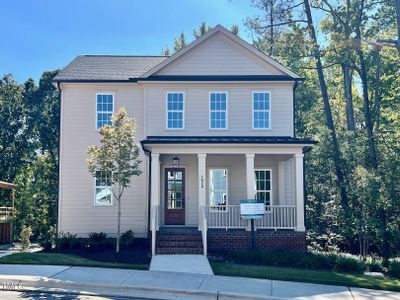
(302, 275)
(64, 259)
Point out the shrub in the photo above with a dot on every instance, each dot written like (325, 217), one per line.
(284, 259)
(349, 264)
(126, 239)
(50, 239)
(374, 264)
(98, 240)
(394, 268)
(310, 260)
(25, 236)
(68, 241)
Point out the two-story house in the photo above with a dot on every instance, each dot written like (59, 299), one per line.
(216, 125)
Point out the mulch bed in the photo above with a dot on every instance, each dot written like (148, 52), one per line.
(138, 253)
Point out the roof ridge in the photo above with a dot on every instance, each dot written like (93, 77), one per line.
(111, 55)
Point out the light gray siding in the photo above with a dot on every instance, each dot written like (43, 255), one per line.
(239, 109)
(235, 164)
(219, 56)
(78, 214)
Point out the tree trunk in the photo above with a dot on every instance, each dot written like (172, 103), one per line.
(271, 16)
(348, 95)
(397, 3)
(327, 108)
(373, 162)
(119, 223)
(377, 90)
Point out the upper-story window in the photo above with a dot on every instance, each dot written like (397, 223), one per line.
(175, 110)
(218, 111)
(261, 110)
(105, 109)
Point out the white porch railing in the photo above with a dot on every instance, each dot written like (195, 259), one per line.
(228, 216)
(203, 228)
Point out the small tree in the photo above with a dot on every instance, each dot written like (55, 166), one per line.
(25, 238)
(118, 154)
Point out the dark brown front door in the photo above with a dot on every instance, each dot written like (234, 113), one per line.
(174, 196)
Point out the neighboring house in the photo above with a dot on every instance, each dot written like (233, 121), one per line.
(216, 125)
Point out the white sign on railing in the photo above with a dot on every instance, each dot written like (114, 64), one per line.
(252, 209)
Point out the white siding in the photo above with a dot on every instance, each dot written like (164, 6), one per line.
(219, 56)
(289, 182)
(239, 109)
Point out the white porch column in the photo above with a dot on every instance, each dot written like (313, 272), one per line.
(155, 179)
(250, 176)
(281, 182)
(155, 198)
(201, 157)
(299, 191)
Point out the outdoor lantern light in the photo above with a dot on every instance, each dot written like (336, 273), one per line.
(175, 161)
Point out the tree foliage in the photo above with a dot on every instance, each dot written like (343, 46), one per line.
(360, 71)
(117, 154)
(29, 130)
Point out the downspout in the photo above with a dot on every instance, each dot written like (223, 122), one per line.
(148, 154)
(59, 159)
(294, 107)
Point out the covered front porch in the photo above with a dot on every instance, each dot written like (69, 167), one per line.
(200, 186)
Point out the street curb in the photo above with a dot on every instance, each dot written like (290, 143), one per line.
(44, 284)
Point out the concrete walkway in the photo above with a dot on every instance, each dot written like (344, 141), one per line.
(197, 264)
(172, 285)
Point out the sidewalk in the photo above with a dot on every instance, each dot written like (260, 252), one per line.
(171, 285)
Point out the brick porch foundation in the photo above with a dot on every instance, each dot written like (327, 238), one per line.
(267, 240)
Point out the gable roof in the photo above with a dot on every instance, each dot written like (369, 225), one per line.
(117, 68)
(230, 35)
(107, 67)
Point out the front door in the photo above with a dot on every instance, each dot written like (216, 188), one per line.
(174, 196)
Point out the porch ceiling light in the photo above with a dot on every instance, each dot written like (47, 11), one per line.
(176, 161)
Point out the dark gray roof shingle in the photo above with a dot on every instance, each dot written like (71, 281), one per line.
(107, 67)
(225, 140)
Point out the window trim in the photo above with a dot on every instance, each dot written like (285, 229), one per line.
(97, 112)
(226, 111)
(183, 109)
(269, 110)
(217, 209)
(271, 190)
(94, 198)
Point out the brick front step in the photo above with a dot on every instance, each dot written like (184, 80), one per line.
(161, 237)
(183, 244)
(179, 242)
(179, 250)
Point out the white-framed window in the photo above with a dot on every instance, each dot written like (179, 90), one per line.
(218, 110)
(264, 185)
(218, 187)
(103, 192)
(175, 110)
(261, 110)
(104, 109)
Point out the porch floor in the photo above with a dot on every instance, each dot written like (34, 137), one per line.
(181, 263)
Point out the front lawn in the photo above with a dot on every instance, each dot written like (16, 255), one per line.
(52, 258)
(304, 275)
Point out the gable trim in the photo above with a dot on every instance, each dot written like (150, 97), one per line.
(227, 33)
(216, 78)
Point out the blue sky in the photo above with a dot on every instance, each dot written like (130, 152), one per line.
(45, 35)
